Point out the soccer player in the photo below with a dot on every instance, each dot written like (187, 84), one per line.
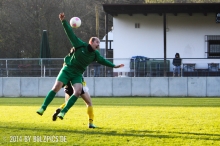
(85, 96)
(75, 65)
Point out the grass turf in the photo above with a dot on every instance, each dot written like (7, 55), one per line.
(120, 121)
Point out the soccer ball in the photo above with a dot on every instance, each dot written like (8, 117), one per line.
(75, 22)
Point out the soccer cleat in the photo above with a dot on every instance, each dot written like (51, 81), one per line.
(92, 126)
(40, 111)
(61, 115)
(54, 117)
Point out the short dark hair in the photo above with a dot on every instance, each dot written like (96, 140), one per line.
(177, 54)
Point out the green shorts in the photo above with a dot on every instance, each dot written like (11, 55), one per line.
(67, 74)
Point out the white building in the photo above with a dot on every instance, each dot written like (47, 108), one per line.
(161, 30)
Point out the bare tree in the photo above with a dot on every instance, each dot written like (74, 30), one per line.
(23, 24)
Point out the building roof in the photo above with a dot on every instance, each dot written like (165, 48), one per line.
(175, 8)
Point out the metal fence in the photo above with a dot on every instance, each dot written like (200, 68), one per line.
(137, 66)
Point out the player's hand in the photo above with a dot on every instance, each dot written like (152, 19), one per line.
(72, 50)
(119, 66)
(61, 16)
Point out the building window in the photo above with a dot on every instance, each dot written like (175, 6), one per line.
(137, 25)
(213, 46)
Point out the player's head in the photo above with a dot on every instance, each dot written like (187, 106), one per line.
(94, 42)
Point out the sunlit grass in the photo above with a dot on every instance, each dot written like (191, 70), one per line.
(121, 121)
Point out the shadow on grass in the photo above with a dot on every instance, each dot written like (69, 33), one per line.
(117, 101)
(109, 132)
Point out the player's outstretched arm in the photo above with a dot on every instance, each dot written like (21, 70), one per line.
(119, 66)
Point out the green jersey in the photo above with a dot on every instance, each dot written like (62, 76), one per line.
(84, 54)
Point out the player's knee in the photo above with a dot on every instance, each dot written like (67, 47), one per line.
(56, 87)
(89, 103)
(77, 92)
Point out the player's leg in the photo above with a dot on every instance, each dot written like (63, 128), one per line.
(50, 96)
(77, 91)
(87, 99)
(68, 92)
(62, 78)
(58, 110)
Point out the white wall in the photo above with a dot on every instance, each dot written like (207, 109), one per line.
(185, 35)
(145, 41)
(116, 86)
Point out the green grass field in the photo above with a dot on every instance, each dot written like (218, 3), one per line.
(121, 121)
